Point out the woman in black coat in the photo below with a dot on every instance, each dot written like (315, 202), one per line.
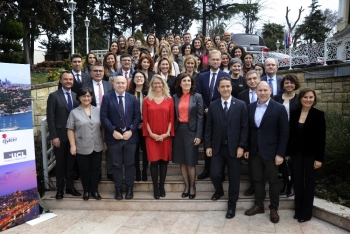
(289, 84)
(306, 146)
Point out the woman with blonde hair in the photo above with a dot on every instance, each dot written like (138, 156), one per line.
(165, 52)
(191, 66)
(165, 70)
(158, 128)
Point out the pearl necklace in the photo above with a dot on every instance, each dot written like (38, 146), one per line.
(159, 99)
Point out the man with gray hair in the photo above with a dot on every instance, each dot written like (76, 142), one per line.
(271, 67)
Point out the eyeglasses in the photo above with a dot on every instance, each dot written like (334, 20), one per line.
(97, 71)
(126, 60)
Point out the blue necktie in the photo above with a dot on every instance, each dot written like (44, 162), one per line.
(211, 87)
(69, 101)
(271, 85)
(253, 96)
(225, 108)
(121, 109)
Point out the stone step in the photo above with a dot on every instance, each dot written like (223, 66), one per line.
(173, 183)
(174, 169)
(144, 201)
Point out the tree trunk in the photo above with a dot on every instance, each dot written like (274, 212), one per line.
(204, 18)
(26, 43)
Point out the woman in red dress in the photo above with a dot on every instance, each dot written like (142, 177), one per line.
(158, 128)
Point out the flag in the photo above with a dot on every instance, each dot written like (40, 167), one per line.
(287, 38)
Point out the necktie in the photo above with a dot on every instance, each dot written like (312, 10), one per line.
(253, 96)
(121, 109)
(225, 108)
(100, 94)
(211, 87)
(271, 85)
(78, 78)
(69, 101)
(126, 75)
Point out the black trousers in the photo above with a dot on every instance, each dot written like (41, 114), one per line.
(64, 166)
(234, 174)
(207, 160)
(141, 144)
(121, 153)
(265, 170)
(304, 185)
(89, 169)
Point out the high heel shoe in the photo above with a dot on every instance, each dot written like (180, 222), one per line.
(192, 196)
(185, 194)
(156, 193)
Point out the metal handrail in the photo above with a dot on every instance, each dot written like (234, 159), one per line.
(48, 162)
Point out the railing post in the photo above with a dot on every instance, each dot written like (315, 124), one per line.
(325, 53)
(44, 152)
(290, 57)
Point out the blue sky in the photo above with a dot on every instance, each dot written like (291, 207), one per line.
(16, 73)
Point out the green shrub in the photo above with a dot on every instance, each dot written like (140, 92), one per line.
(53, 75)
(59, 63)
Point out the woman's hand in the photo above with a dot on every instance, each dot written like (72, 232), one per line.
(317, 164)
(73, 150)
(197, 141)
(140, 126)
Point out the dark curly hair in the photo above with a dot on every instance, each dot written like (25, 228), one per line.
(178, 88)
(292, 78)
(145, 87)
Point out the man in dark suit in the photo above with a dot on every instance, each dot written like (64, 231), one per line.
(225, 139)
(271, 67)
(207, 83)
(268, 137)
(59, 105)
(126, 70)
(120, 115)
(80, 77)
(249, 96)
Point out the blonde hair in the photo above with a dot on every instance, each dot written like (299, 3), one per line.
(188, 57)
(166, 91)
(215, 52)
(170, 66)
(170, 55)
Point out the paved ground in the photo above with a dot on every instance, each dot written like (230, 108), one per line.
(87, 221)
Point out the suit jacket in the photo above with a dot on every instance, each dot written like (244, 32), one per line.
(244, 96)
(85, 78)
(111, 118)
(237, 126)
(120, 72)
(202, 87)
(150, 75)
(195, 113)
(107, 88)
(57, 113)
(310, 141)
(171, 81)
(292, 102)
(278, 80)
(271, 137)
(87, 131)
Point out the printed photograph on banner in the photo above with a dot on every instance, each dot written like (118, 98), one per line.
(15, 97)
(18, 194)
(16, 146)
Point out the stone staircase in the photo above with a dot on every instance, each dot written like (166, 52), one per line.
(174, 186)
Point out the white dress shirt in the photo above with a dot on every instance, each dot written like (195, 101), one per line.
(97, 92)
(259, 112)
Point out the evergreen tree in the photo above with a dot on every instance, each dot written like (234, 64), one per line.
(272, 32)
(11, 31)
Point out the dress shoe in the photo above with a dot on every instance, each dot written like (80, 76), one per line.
(59, 194)
(110, 177)
(129, 194)
(86, 196)
(216, 196)
(290, 190)
(184, 194)
(192, 196)
(162, 192)
(284, 189)
(254, 210)
(274, 217)
(144, 175)
(250, 191)
(156, 193)
(73, 192)
(230, 213)
(205, 174)
(302, 220)
(138, 175)
(118, 194)
(96, 195)
(296, 216)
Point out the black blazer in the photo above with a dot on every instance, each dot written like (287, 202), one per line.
(244, 96)
(107, 88)
(150, 75)
(195, 113)
(57, 113)
(237, 126)
(310, 141)
(292, 102)
(85, 78)
(171, 81)
(271, 137)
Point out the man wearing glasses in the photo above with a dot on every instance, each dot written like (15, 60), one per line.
(126, 70)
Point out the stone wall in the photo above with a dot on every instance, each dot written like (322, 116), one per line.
(39, 94)
(333, 93)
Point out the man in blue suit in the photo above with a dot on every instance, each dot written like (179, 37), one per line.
(268, 137)
(120, 115)
(207, 83)
(225, 139)
(271, 67)
(126, 70)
